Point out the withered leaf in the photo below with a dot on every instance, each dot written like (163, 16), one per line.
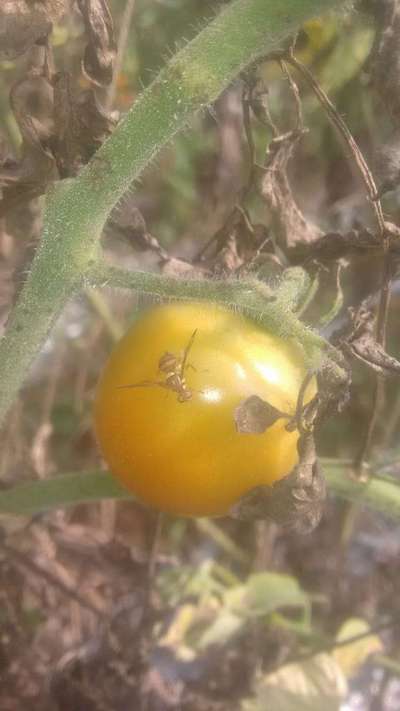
(235, 242)
(290, 225)
(25, 22)
(362, 344)
(296, 501)
(100, 51)
(174, 267)
(228, 259)
(81, 125)
(254, 415)
(30, 176)
(335, 245)
(60, 130)
(128, 221)
(334, 380)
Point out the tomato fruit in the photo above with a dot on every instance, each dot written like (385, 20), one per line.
(171, 437)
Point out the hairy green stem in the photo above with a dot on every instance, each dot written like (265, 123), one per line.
(274, 310)
(77, 210)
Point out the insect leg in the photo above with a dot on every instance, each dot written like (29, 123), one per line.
(144, 384)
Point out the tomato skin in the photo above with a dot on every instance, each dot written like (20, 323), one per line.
(187, 458)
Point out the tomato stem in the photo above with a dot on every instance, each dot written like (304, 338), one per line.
(273, 309)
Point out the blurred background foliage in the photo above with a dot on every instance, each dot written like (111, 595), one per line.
(235, 612)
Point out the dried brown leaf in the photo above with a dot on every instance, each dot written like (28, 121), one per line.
(129, 221)
(234, 241)
(61, 131)
(30, 176)
(25, 22)
(296, 501)
(100, 51)
(362, 344)
(228, 259)
(254, 415)
(336, 245)
(178, 268)
(289, 223)
(81, 125)
(334, 380)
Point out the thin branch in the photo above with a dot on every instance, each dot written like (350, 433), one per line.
(296, 95)
(350, 141)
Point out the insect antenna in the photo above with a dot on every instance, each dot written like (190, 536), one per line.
(186, 352)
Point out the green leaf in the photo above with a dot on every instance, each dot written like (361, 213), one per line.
(264, 593)
(59, 492)
(355, 45)
(351, 657)
(313, 685)
(225, 626)
(380, 494)
(259, 596)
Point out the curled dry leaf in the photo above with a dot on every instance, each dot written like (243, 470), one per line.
(80, 125)
(60, 130)
(289, 223)
(37, 168)
(361, 342)
(100, 51)
(228, 259)
(336, 245)
(333, 393)
(296, 501)
(178, 268)
(236, 241)
(128, 221)
(25, 22)
(254, 415)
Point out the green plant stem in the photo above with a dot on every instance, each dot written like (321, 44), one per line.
(212, 530)
(380, 494)
(273, 310)
(77, 209)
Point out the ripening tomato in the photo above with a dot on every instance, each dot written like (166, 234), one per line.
(166, 401)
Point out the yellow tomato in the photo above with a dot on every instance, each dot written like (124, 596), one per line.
(171, 438)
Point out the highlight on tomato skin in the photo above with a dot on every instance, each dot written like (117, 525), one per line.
(165, 408)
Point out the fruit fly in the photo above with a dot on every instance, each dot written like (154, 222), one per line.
(172, 367)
